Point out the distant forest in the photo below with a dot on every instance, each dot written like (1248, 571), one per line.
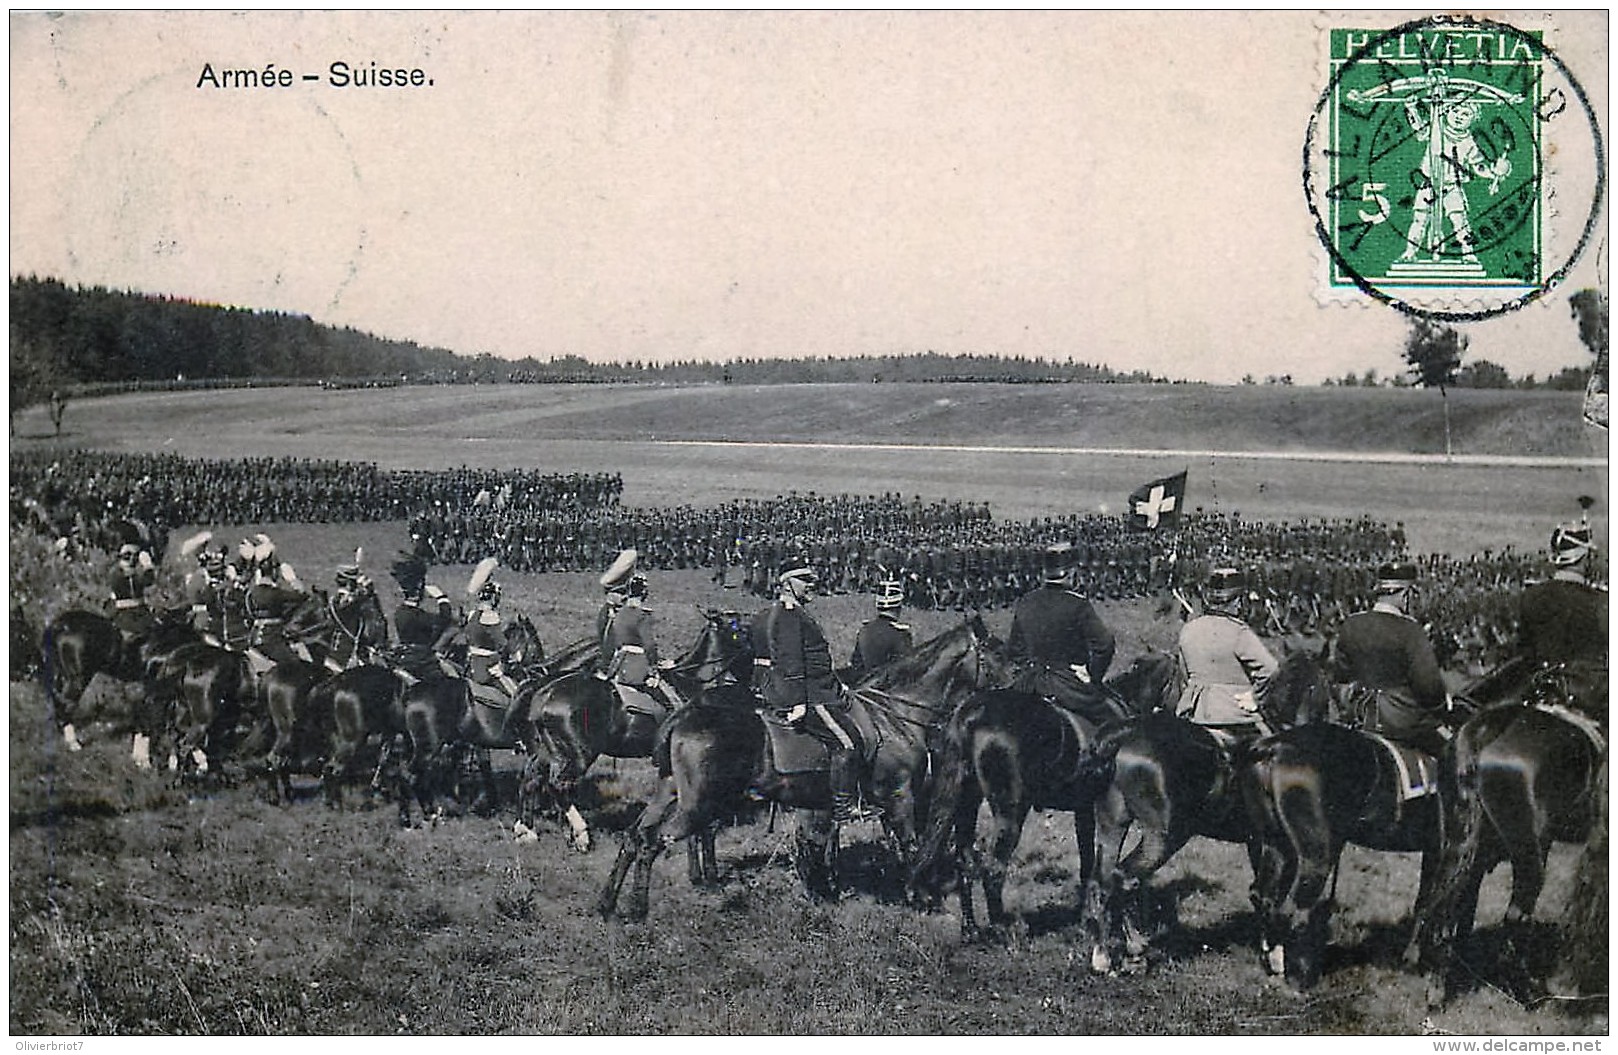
(76, 341)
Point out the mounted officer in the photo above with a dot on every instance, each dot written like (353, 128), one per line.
(882, 638)
(132, 575)
(1394, 686)
(354, 589)
(794, 670)
(423, 632)
(275, 593)
(1059, 642)
(1563, 623)
(1225, 664)
(486, 639)
(204, 588)
(628, 644)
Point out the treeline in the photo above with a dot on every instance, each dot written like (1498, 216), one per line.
(91, 340)
(63, 338)
(1480, 373)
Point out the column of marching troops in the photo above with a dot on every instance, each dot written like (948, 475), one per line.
(1304, 576)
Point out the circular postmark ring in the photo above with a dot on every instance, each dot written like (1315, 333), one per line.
(1503, 220)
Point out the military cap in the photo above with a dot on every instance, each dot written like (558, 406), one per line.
(890, 595)
(1395, 575)
(1225, 584)
(798, 569)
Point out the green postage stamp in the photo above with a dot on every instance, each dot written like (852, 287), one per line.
(1435, 166)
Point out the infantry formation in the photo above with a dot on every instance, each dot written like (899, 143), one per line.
(1304, 576)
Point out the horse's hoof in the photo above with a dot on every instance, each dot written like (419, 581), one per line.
(1134, 963)
(524, 834)
(1100, 961)
(1275, 961)
(580, 841)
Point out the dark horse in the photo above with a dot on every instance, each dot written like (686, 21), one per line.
(717, 752)
(300, 734)
(1522, 776)
(569, 721)
(1018, 752)
(1311, 790)
(78, 645)
(1171, 779)
(416, 735)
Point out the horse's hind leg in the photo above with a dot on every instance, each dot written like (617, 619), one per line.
(1005, 831)
(699, 859)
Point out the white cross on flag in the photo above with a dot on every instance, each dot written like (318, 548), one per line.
(1157, 504)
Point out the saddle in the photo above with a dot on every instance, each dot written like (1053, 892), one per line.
(792, 749)
(1415, 774)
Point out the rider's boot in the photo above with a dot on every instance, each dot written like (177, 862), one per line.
(845, 788)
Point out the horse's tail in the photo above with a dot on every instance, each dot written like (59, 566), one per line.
(1463, 824)
(1584, 924)
(928, 872)
(1096, 765)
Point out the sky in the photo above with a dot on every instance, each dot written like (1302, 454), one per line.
(1116, 188)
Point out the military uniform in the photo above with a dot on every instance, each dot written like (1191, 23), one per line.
(128, 582)
(1060, 629)
(1563, 622)
(881, 640)
(1396, 688)
(1226, 666)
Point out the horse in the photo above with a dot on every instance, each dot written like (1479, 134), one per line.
(301, 733)
(1310, 790)
(571, 720)
(717, 754)
(1521, 776)
(1171, 779)
(415, 730)
(78, 645)
(1018, 751)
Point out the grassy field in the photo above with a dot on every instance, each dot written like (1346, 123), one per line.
(646, 433)
(138, 909)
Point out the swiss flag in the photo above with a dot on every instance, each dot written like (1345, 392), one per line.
(1156, 505)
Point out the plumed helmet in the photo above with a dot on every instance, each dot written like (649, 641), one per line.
(1570, 543)
(797, 570)
(482, 585)
(1395, 577)
(890, 596)
(1225, 585)
(197, 546)
(616, 579)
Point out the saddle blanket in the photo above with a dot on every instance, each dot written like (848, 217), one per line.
(1417, 770)
(793, 750)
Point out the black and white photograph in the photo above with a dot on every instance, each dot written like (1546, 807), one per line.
(809, 523)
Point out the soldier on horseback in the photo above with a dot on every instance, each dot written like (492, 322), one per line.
(204, 588)
(1386, 659)
(1563, 623)
(1226, 665)
(422, 633)
(355, 591)
(486, 638)
(132, 575)
(882, 638)
(1059, 641)
(274, 595)
(628, 644)
(793, 662)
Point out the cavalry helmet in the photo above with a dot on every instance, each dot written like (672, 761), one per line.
(482, 585)
(616, 579)
(890, 595)
(798, 570)
(1570, 543)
